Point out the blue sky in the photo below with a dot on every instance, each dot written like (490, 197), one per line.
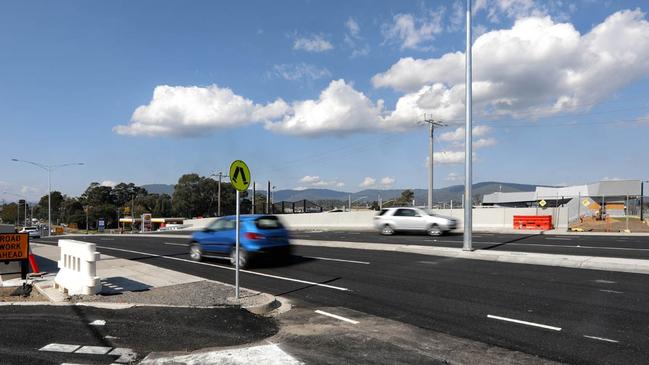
(320, 93)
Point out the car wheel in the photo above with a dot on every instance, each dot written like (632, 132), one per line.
(195, 252)
(243, 257)
(387, 230)
(434, 230)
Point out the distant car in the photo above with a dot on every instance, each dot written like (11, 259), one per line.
(33, 232)
(335, 211)
(391, 220)
(261, 236)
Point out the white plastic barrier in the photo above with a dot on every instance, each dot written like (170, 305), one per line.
(78, 268)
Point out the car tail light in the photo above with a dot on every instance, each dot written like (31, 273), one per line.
(254, 236)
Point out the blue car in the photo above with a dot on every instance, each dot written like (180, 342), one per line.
(260, 235)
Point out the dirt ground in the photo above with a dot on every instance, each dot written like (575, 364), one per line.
(6, 295)
(612, 225)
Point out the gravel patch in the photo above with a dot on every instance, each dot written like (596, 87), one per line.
(6, 295)
(200, 294)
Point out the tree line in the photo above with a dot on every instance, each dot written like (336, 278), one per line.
(193, 196)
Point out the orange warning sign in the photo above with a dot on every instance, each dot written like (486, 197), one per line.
(14, 246)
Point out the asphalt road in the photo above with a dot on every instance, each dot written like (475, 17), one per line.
(607, 246)
(569, 315)
(135, 332)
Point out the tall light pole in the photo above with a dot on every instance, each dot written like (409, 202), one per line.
(468, 140)
(432, 124)
(49, 169)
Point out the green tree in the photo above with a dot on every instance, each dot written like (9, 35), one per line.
(406, 197)
(8, 214)
(41, 209)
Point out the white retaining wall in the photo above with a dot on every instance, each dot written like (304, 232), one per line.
(483, 219)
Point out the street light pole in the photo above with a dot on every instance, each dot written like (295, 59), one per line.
(49, 169)
(641, 200)
(468, 140)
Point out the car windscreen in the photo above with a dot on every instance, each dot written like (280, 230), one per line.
(268, 222)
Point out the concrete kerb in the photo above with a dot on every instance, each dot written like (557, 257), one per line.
(636, 266)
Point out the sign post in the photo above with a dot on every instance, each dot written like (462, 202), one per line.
(240, 179)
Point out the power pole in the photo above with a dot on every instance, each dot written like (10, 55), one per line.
(268, 198)
(468, 140)
(218, 207)
(432, 125)
(253, 197)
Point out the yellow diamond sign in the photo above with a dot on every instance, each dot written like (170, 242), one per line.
(543, 203)
(585, 202)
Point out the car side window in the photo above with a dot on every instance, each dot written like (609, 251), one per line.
(229, 224)
(218, 225)
(405, 213)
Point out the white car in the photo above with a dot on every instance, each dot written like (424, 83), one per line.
(33, 232)
(391, 220)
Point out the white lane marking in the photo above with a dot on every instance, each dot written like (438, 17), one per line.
(59, 347)
(611, 291)
(263, 354)
(93, 350)
(429, 262)
(601, 281)
(228, 268)
(176, 244)
(559, 238)
(601, 339)
(524, 322)
(336, 316)
(126, 355)
(341, 260)
(98, 322)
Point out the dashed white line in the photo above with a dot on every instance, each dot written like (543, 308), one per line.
(227, 268)
(93, 350)
(602, 339)
(611, 291)
(559, 238)
(340, 260)
(176, 244)
(524, 322)
(98, 322)
(336, 316)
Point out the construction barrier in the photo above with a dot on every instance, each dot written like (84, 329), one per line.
(535, 222)
(78, 268)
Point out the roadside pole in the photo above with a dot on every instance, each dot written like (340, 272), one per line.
(468, 148)
(236, 278)
(240, 180)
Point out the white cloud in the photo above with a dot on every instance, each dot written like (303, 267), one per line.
(448, 157)
(411, 32)
(537, 68)
(339, 109)
(354, 40)
(496, 10)
(352, 27)
(108, 183)
(458, 134)
(644, 119)
(315, 43)
(316, 181)
(454, 177)
(484, 142)
(387, 182)
(180, 110)
(300, 71)
(367, 182)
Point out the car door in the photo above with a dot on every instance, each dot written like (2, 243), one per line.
(216, 237)
(405, 219)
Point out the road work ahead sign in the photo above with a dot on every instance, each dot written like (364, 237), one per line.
(240, 175)
(14, 246)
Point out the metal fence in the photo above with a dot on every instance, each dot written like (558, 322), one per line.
(300, 206)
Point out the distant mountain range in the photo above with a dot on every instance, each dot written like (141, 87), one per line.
(440, 195)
